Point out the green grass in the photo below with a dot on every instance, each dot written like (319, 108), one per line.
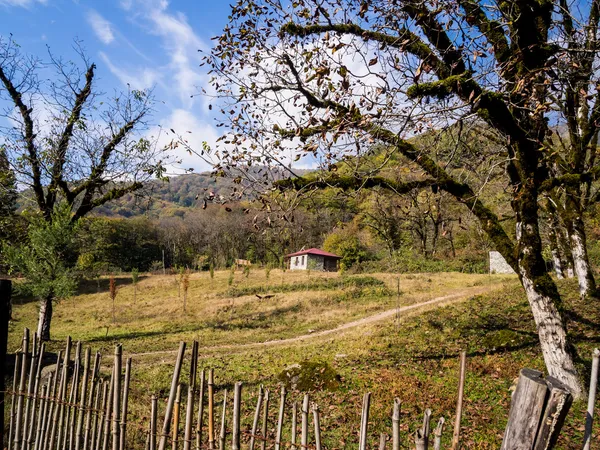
(414, 358)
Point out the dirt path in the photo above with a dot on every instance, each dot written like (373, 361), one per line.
(438, 301)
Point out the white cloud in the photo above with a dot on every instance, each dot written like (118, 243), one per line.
(140, 79)
(194, 131)
(22, 3)
(102, 27)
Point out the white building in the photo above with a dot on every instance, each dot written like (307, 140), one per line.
(313, 259)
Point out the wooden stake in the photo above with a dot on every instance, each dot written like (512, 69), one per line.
(256, 417)
(21, 394)
(364, 423)
(199, 423)
(223, 419)
(70, 409)
(294, 424)
(237, 404)
(108, 412)
(153, 420)
(558, 402)
(459, 400)
(304, 436)
(92, 401)
(189, 413)
(83, 398)
(36, 404)
(263, 443)
(42, 414)
(382, 441)
(317, 426)
(589, 418)
(437, 444)
(396, 425)
(59, 409)
(162, 445)
(211, 410)
(116, 411)
(280, 418)
(27, 425)
(13, 400)
(176, 408)
(125, 405)
(99, 420)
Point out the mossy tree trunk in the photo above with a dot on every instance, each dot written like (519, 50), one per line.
(542, 294)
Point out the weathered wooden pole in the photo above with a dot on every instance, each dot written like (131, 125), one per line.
(176, 414)
(211, 410)
(116, 410)
(317, 424)
(437, 443)
(264, 432)
(200, 421)
(364, 422)
(83, 398)
(237, 406)
(108, 411)
(459, 400)
(162, 445)
(21, 394)
(382, 441)
(589, 417)
(153, 420)
(13, 399)
(396, 425)
(125, 405)
(36, 406)
(256, 417)
(304, 436)
(557, 404)
(27, 425)
(280, 418)
(223, 422)
(294, 425)
(189, 412)
(41, 415)
(5, 307)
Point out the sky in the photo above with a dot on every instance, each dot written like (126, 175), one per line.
(143, 43)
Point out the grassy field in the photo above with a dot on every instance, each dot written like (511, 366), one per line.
(414, 357)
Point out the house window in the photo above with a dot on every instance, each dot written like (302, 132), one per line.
(302, 259)
(296, 260)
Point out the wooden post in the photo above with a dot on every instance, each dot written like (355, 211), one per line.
(364, 422)
(558, 403)
(425, 429)
(108, 412)
(125, 405)
(294, 424)
(256, 417)
(189, 412)
(304, 436)
(27, 425)
(263, 443)
(36, 406)
(83, 397)
(382, 441)
(459, 400)
(317, 427)
(21, 394)
(176, 414)
(437, 444)
(526, 409)
(223, 422)
(92, 402)
(237, 405)
(153, 420)
(69, 434)
(200, 421)
(589, 417)
(116, 411)
(396, 425)
(280, 418)
(13, 399)
(211, 410)
(162, 445)
(5, 298)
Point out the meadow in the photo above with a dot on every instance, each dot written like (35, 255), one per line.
(251, 328)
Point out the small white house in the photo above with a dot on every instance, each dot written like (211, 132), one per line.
(313, 259)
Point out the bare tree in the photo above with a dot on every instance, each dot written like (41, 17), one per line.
(67, 142)
(328, 78)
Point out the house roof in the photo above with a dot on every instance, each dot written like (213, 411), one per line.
(313, 251)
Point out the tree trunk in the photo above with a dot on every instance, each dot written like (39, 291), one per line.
(556, 256)
(544, 299)
(45, 318)
(583, 270)
(565, 249)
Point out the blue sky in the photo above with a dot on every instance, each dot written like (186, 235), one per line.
(146, 43)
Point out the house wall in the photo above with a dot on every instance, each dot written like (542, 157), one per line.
(298, 262)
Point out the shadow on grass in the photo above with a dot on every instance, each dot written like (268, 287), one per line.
(103, 284)
(252, 321)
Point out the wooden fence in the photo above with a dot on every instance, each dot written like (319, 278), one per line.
(75, 409)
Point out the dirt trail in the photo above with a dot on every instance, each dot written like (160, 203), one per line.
(438, 301)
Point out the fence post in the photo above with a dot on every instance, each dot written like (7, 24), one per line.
(5, 295)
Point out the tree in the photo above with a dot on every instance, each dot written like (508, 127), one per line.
(46, 260)
(8, 196)
(328, 79)
(68, 143)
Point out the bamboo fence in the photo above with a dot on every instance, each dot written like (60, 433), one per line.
(74, 408)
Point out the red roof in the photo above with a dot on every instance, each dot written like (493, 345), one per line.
(313, 251)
